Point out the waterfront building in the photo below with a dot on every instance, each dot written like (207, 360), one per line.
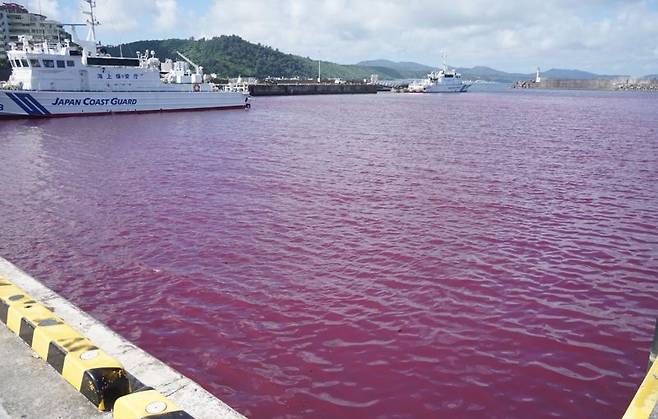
(16, 20)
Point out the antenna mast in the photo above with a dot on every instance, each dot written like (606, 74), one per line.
(91, 35)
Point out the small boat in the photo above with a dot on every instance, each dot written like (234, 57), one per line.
(416, 86)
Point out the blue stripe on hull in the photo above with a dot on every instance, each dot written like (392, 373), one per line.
(39, 106)
(21, 97)
(20, 104)
(28, 103)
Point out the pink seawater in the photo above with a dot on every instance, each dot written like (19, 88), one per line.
(389, 256)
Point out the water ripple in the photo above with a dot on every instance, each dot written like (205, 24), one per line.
(388, 256)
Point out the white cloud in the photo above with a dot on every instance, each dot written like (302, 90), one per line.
(599, 35)
(120, 15)
(166, 14)
(595, 34)
(49, 8)
(136, 16)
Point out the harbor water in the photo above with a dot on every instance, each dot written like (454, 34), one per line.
(403, 256)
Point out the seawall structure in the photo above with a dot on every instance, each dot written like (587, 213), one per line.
(311, 89)
(620, 84)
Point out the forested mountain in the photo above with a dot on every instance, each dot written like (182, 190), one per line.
(230, 56)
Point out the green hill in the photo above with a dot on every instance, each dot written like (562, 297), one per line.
(230, 56)
(405, 69)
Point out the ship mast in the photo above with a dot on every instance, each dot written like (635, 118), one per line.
(91, 35)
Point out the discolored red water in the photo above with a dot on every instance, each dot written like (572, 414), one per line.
(399, 256)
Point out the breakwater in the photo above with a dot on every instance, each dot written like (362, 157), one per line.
(310, 89)
(618, 84)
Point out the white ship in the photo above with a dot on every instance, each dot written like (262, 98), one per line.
(79, 78)
(443, 81)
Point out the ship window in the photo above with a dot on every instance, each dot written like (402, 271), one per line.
(24, 62)
(112, 61)
(35, 63)
(61, 64)
(13, 64)
(49, 63)
(70, 63)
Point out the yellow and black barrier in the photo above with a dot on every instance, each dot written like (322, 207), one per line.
(646, 398)
(645, 402)
(147, 404)
(95, 374)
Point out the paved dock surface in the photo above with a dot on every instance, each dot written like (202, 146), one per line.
(32, 389)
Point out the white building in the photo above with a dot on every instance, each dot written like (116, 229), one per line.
(15, 20)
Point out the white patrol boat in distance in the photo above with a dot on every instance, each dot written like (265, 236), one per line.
(442, 81)
(80, 79)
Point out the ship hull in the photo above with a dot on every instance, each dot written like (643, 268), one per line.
(45, 104)
(439, 88)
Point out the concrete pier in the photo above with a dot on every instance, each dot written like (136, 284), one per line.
(29, 386)
(311, 89)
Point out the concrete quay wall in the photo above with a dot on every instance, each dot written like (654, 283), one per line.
(142, 368)
(310, 89)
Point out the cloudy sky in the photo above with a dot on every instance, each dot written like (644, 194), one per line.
(603, 36)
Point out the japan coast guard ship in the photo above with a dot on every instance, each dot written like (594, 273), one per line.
(445, 80)
(80, 79)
